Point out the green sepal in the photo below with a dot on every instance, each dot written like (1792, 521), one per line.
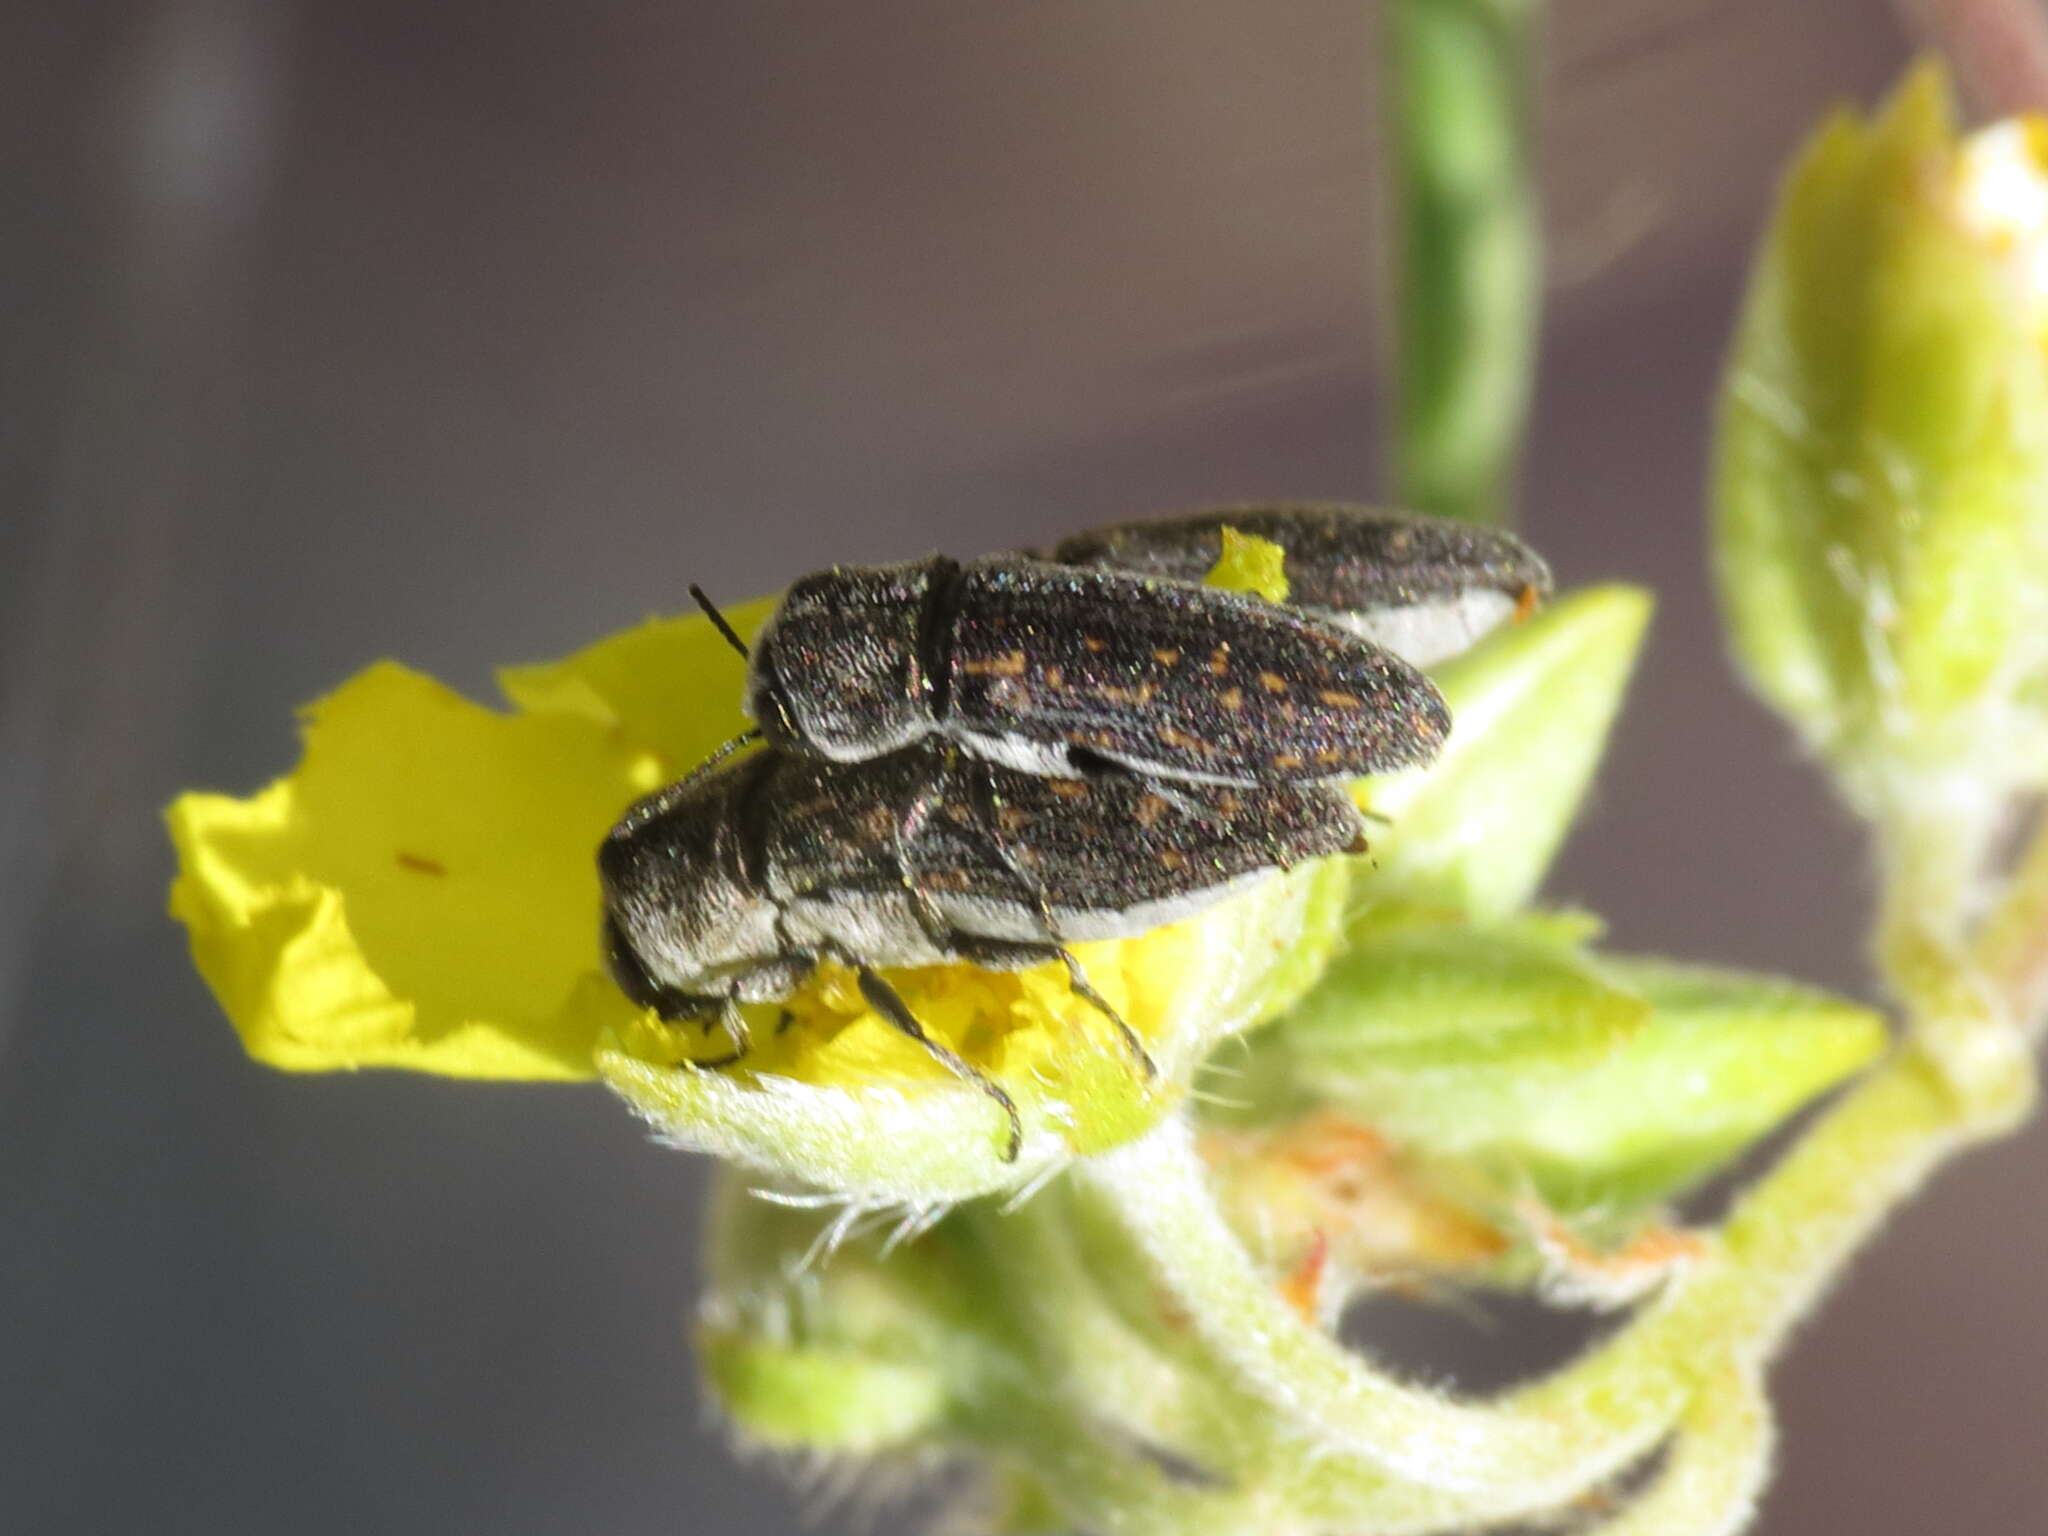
(1020, 1505)
(1591, 1111)
(1531, 705)
(1513, 1049)
(1426, 994)
(1727, 1059)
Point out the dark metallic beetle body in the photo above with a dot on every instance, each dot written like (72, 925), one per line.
(1052, 670)
(714, 884)
(861, 835)
(732, 886)
(1424, 587)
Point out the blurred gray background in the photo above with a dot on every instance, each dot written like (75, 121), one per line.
(465, 333)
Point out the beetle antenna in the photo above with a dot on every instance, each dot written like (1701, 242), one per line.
(718, 620)
(743, 739)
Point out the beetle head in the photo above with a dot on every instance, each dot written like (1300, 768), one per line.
(683, 921)
(838, 672)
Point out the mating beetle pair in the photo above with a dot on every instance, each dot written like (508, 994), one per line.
(986, 762)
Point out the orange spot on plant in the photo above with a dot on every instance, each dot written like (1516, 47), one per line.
(1579, 1271)
(1339, 1205)
(1303, 1286)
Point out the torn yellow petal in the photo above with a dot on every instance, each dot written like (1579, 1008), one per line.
(671, 686)
(419, 893)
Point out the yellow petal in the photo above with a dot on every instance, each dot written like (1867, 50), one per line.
(671, 686)
(420, 892)
(1249, 563)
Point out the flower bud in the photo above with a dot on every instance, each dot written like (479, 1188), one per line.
(1881, 475)
(850, 1347)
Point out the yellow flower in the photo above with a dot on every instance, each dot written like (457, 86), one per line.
(422, 893)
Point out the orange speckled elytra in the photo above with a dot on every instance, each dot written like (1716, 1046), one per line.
(1055, 670)
(1423, 587)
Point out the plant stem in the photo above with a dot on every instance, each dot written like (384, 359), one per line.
(1125, 1365)
(1544, 1445)
(1712, 1474)
(1466, 276)
(2012, 945)
(1506, 1460)
(1935, 856)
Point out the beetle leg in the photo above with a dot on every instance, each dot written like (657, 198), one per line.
(735, 1024)
(678, 1008)
(1015, 954)
(1054, 947)
(908, 826)
(888, 1002)
(1083, 988)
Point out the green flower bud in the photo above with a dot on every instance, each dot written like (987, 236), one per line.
(835, 1347)
(1881, 476)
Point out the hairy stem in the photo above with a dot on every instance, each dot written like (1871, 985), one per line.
(1935, 861)
(1538, 1448)
(2011, 947)
(1504, 1459)
(1716, 1466)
